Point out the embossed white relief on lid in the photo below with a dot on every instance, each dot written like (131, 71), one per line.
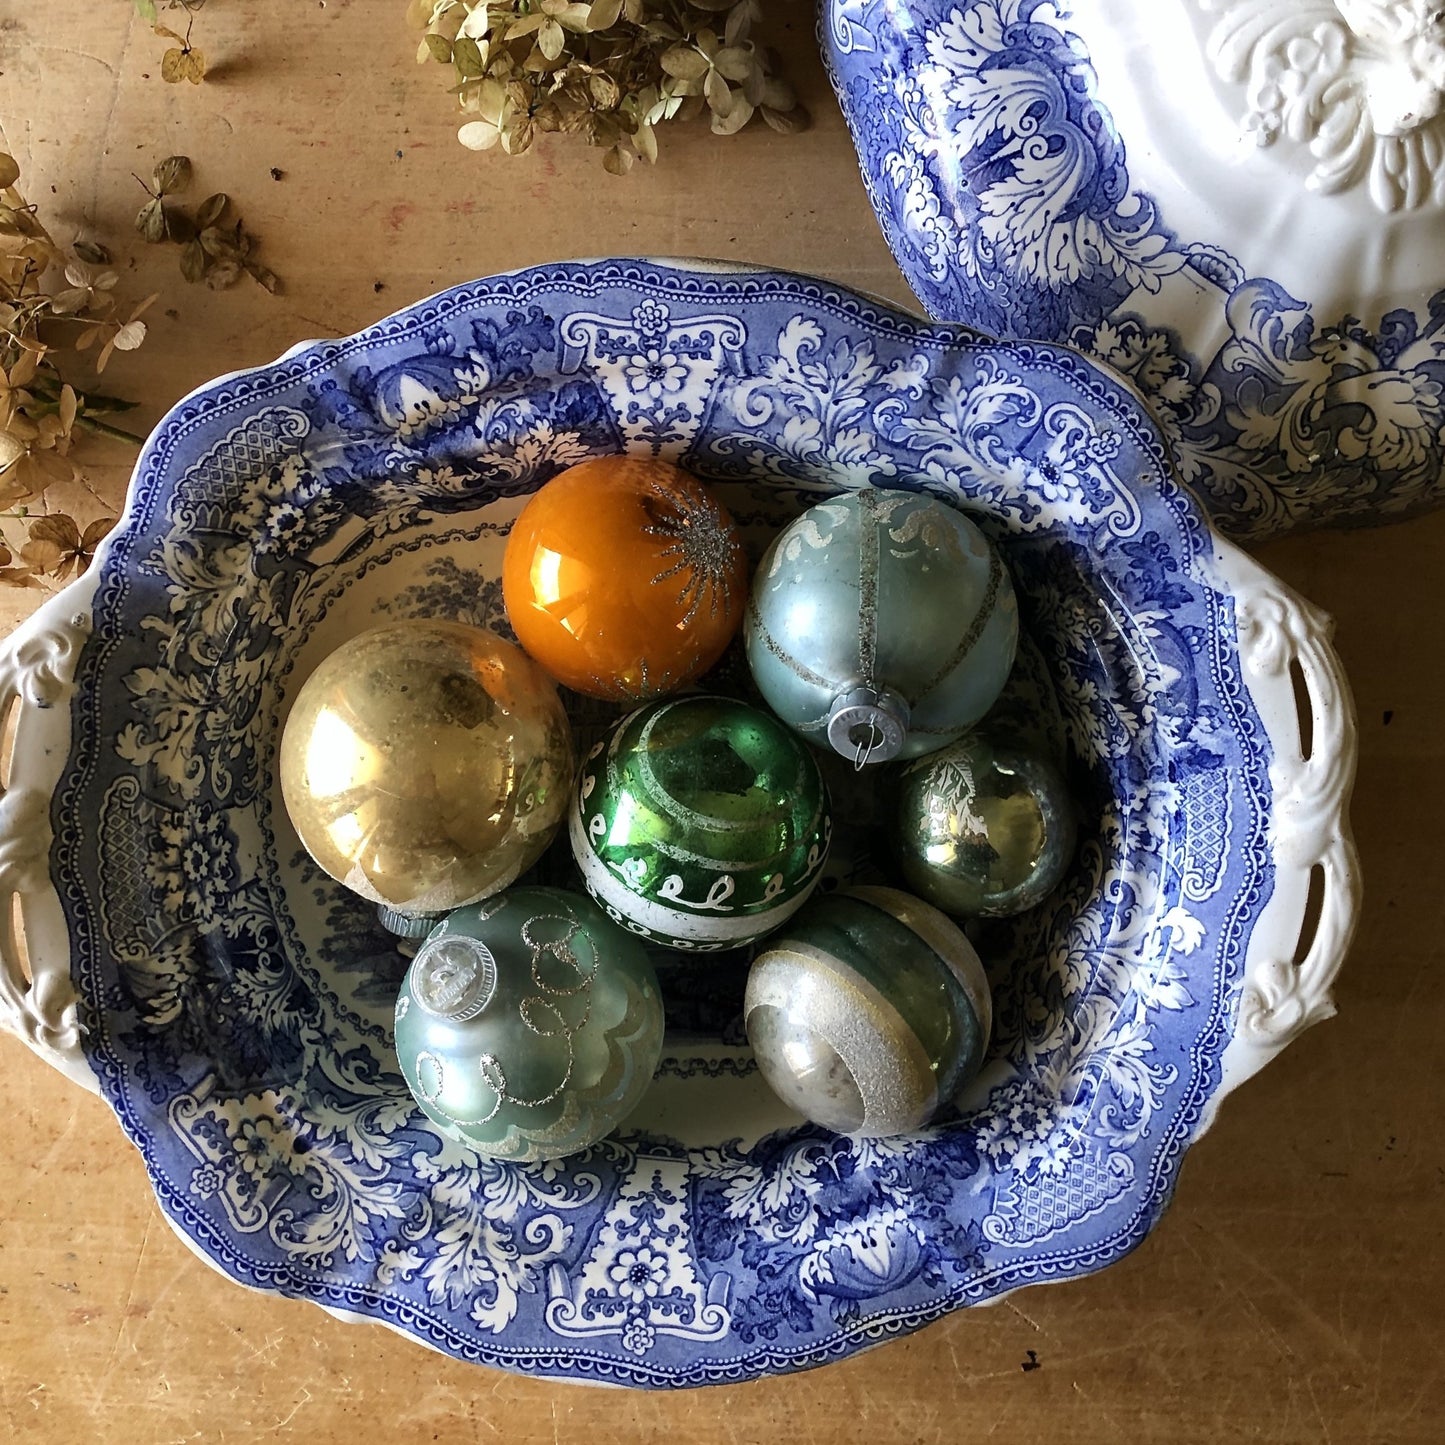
(1360, 82)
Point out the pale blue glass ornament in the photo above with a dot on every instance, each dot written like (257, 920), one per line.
(882, 624)
(529, 1025)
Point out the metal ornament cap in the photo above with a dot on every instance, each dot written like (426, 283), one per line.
(406, 925)
(878, 612)
(866, 726)
(454, 977)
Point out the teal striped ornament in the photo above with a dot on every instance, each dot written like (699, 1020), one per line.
(700, 823)
(528, 1026)
(869, 1012)
(881, 624)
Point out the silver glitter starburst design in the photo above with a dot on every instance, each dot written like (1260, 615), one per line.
(701, 546)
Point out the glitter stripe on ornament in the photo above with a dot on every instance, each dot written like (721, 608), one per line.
(873, 1039)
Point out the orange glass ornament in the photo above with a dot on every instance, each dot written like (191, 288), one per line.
(625, 578)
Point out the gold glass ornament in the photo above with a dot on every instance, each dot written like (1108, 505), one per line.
(426, 765)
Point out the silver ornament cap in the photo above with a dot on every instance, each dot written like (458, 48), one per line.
(867, 726)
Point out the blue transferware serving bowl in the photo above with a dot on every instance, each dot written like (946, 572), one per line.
(1239, 204)
(234, 1005)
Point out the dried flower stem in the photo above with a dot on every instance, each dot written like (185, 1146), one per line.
(103, 428)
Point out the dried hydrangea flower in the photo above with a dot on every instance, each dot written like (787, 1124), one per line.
(610, 71)
(52, 301)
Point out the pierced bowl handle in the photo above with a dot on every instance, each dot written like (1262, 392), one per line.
(38, 1002)
(1305, 930)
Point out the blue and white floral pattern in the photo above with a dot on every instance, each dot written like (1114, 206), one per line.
(238, 1003)
(1003, 186)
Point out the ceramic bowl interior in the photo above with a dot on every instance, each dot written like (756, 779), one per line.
(238, 1002)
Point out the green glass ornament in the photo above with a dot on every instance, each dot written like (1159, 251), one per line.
(984, 828)
(700, 823)
(869, 1012)
(529, 1026)
(881, 624)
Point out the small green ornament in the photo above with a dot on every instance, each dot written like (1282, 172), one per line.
(983, 828)
(529, 1026)
(868, 1012)
(700, 823)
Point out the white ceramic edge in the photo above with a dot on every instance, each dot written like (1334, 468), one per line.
(37, 672)
(1309, 824)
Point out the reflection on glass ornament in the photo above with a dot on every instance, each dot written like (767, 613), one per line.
(426, 765)
(529, 1026)
(983, 828)
(868, 1012)
(700, 823)
(882, 624)
(625, 578)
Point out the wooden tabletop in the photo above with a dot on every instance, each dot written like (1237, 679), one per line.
(1295, 1291)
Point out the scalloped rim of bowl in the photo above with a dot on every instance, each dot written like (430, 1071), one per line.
(1311, 830)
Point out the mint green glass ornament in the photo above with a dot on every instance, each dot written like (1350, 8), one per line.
(529, 1026)
(700, 823)
(869, 1012)
(881, 624)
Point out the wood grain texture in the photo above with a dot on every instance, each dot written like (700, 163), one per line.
(1295, 1292)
